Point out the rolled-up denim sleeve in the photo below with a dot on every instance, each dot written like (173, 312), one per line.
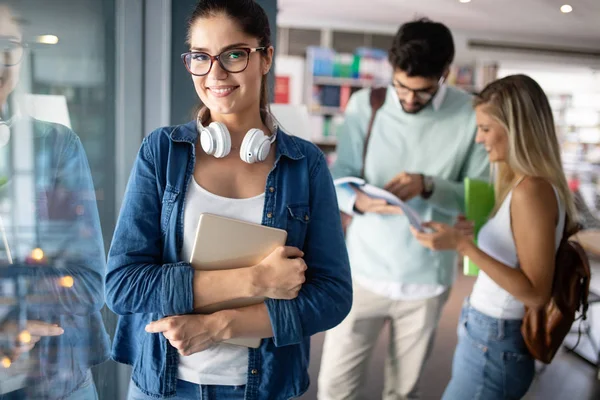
(326, 297)
(137, 281)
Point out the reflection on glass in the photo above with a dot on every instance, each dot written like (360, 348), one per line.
(52, 261)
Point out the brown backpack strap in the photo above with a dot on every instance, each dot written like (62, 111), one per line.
(587, 274)
(376, 98)
(586, 271)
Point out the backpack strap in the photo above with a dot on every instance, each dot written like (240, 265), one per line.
(585, 279)
(376, 99)
(585, 293)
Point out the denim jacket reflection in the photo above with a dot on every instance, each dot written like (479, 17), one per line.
(147, 280)
(51, 160)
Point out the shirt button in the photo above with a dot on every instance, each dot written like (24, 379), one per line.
(270, 215)
(254, 372)
(271, 189)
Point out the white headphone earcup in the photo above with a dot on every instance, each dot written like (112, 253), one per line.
(207, 141)
(263, 150)
(255, 147)
(222, 139)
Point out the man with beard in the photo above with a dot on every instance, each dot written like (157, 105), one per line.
(420, 148)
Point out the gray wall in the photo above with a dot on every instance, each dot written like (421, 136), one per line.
(183, 96)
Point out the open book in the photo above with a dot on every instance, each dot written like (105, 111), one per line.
(350, 182)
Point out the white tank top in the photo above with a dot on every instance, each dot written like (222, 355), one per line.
(496, 239)
(223, 364)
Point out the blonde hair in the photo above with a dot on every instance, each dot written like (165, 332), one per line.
(520, 105)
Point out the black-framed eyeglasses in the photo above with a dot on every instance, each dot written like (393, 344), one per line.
(11, 52)
(423, 95)
(233, 60)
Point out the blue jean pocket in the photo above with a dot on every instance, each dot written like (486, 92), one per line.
(468, 367)
(463, 331)
(518, 370)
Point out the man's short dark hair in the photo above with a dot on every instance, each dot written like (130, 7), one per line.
(422, 48)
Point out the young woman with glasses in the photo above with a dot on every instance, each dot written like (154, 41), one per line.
(231, 161)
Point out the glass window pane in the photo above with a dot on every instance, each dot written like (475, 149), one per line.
(56, 198)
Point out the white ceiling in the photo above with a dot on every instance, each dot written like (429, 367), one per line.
(533, 19)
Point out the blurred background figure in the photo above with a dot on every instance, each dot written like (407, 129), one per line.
(420, 148)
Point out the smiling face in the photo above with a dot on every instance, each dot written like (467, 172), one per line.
(11, 53)
(491, 134)
(221, 91)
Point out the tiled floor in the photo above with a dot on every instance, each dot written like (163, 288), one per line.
(567, 378)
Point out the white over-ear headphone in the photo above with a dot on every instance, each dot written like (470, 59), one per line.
(216, 141)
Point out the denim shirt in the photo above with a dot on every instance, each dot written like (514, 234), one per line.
(68, 231)
(147, 280)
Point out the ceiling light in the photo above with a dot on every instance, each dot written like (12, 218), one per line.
(465, 1)
(47, 39)
(565, 9)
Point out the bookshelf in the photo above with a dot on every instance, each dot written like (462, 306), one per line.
(331, 78)
(322, 110)
(327, 96)
(341, 62)
(577, 120)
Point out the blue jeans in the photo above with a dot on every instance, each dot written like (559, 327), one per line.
(491, 361)
(191, 391)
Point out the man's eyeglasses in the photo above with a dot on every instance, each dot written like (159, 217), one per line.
(11, 52)
(422, 95)
(234, 60)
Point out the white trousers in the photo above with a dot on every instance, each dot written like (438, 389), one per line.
(348, 346)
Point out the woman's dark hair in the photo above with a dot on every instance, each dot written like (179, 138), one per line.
(252, 20)
(422, 48)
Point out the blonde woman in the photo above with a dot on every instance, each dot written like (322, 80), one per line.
(516, 247)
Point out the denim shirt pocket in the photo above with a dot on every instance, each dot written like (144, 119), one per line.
(297, 224)
(168, 203)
